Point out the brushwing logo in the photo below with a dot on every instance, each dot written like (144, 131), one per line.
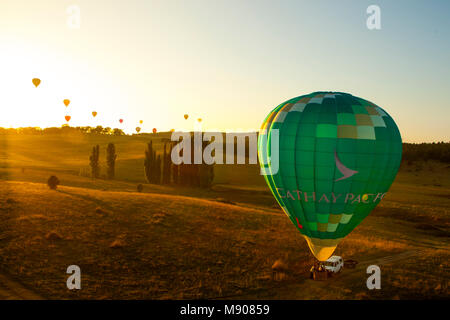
(346, 172)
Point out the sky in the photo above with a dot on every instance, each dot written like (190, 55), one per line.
(228, 62)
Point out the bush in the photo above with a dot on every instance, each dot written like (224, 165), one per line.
(53, 182)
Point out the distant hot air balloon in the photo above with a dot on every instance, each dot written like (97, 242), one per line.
(154, 130)
(66, 102)
(199, 119)
(138, 129)
(36, 82)
(68, 118)
(141, 121)
(172, 130)
(186, 116)
(120, 120)
(94, 113)
(328, 158)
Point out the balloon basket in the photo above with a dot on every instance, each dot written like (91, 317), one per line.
(318, 272)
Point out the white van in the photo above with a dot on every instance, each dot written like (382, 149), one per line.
(334, 264)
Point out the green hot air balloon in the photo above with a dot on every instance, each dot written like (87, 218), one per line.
(328, 158)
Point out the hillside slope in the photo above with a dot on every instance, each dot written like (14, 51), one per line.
(158, 246)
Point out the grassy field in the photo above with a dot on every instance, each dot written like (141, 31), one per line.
(180, 243)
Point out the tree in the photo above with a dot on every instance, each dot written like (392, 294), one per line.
(94, 162)
(53, 182)
(158, 170)
(149, 163)
(175, 173)
(167, 164)
(118, 132)
(111, 157)
(205, 171)
(195, 175)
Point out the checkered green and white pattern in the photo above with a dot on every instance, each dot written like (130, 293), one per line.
(314, 129)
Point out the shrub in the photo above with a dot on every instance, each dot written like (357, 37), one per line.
(53, 182)
(100, 211)
(53, 235)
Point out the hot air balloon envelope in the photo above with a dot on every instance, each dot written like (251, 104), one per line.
(68, 118)
(328, 158)
(120, 120)
(186, 116)
(154, 130)
(36, 82)
(138, 129)
(66, 102)
(94, 114)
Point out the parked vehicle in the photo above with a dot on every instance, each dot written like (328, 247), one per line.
(334, 264)
(324, 270)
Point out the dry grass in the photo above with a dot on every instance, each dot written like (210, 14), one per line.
(190, 249)
(180, 243)
(142, 245)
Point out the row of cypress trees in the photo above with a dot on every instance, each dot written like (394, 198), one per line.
(152, 165)
(161, 170)
(94, 161)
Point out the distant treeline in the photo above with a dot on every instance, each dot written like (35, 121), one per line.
(439, 151)
(65, 129)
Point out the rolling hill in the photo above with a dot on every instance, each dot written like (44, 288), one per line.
(181, 243)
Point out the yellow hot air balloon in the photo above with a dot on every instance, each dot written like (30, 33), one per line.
(138, 129)
(36, 82)
(141, 121)
(66, 102)
(172, 130)
(186, 116)
(94, 113)
(199, 119)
